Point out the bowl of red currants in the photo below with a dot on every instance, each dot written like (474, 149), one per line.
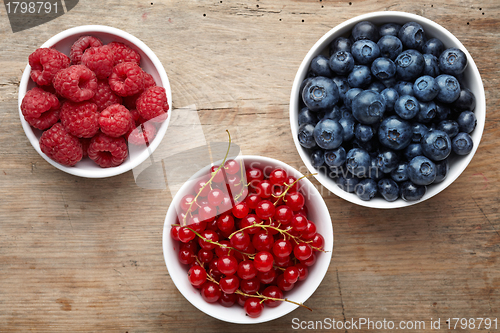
(388, 108)
(94, 101)
(248, 240)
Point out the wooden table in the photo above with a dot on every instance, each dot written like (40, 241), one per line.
(85, 254)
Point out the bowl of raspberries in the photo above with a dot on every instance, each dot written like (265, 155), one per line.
(248, 240)
(94, 101)
(388, 109)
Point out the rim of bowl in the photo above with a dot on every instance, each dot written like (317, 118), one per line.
(285, 307)
(102, 172)
(460, 165)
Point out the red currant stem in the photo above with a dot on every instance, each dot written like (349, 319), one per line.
(288, 187)
(280, 268)
(198, 261)
(209, 181)
(241, 180)
(249, 255)
(264, 298)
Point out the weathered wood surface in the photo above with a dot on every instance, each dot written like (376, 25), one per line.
(85, 254)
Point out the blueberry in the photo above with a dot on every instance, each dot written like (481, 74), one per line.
(363, 133)
(358, 162)
(366, 189)
(413, 149)
(303, 84)
(462, 144)
(412, 192)
(318, 158)
(319, 66)
(306, 137)
(365, 30)
(335, 157)
(360, 76)
(334, 114)
(436, 145)
(374, 171)
(365, 51)
(389, 83)
(348, 126)
(421, 170)
(387, 161)
(389, 189)
(425, 88)
(467, 121)
(390, 47)
(404, 88)
(449, 88)
(368, 107)
(407, 107)
(328, 134)
(412, 36)
(431, 65)
(340, 44)
(400, 173)
(342, 84)
(383, 68)
(307, 117)
(409, 65)
(345, 113)
(389, 29)
(442, 169)
(349, 97)
(452, 61)
(320, 93)
(442, 111)
(395, 133)
(347, 182)
(434, 47)
(390, 96)
(341, 62)
(450, 127)
(419, 131)
(376, 86)
(465, 101)
(427, 112)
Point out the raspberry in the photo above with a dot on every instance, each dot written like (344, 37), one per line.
(77, 83)
(61, 146)
(115, 120)
(85, 145)
(46, 120)
(80, 119)
(99, 60)
(149, 81)
(107, 151)
(37, 101)
(153, 104)
(123, 53)
(45, 63)
(136, 117)
(127, 79)
(130, 101)
(79, 47)
(104, 96)
(142, 134)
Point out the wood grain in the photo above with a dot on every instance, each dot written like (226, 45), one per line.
(85, 254)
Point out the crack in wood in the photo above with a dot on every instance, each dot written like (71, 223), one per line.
(341, 300)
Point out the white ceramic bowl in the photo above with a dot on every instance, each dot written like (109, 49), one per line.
(149, 63)
(318, 213)
(432, 29)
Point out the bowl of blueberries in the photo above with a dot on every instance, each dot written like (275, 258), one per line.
(387, 109)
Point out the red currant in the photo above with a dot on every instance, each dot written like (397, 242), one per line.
(265, 209)
(225, 205)
(277, 195)
(174, 232)
(202, 184)
(213, 269)
(278, 177)
(254, 174)
(309, 262)
(272, 292)
(290, 182)
(252, 200)
(219, 177)
(240, 210)
(185, 235)
(318, 242)
(222, 250)
(240, 240)
(283, 214)
(227, 265)
(263, 241)
(249, 220)
(284, 285)
(303, 271)
(241, 299)
(282, 248)
(215, 197)
(208, 235)
(186, 203)
(310, 231)
(229, 284)
(253, 307)
(246, 270)
(250, 286)
(186, 256)
(197, 275)
(227, 300)
(264, 189)
(263, 261)
(267, 277)
(225, 222)
(205, 255)
(299, 222)
(295, 200)
(291, 274)
(283, 262)
(302, 251)
(210, 292)
(207, 213)
(232, 167)
(191, 246)
(195, 224)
